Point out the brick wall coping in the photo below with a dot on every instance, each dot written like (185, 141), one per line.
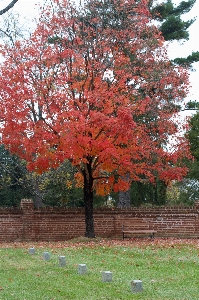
(10, 209)
(154, 209)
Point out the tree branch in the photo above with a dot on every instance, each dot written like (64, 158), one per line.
(8, 35)
(3, 11)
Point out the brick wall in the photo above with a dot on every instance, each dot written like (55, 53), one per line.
(56, 224)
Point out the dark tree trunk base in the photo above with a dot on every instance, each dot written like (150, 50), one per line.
(88, 202)
(90, 235)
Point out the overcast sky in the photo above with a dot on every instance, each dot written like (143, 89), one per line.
(29, 9)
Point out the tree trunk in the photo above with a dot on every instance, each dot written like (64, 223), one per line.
(88, 201)
(37, 198)
(124, 197)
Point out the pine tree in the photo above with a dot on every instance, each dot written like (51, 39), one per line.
(173, 27)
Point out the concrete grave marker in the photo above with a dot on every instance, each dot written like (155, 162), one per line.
(106, 276)
(32, 250)
(46, 256)
(136, 286)
(62, 261)
(82, 269)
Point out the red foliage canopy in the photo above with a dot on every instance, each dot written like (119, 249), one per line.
(94, 86)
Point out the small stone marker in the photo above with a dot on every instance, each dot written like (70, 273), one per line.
(82, 269)
(46, 256)
(136, 286)
(62, 261)
(106, 276)
(32, 250)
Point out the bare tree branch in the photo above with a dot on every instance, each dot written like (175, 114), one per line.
(7, 35)
(3, 11)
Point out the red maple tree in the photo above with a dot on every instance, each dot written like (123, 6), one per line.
(94, 86)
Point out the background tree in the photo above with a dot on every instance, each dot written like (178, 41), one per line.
(11, 29)
(172, 28)
(88, 91)
(183, 193)
(193, 137)
(14, 183)
(188, 188)
(58, 187)
(52, 188)
(192, 105)
(169, 16)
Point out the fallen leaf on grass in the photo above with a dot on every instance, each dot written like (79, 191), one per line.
(80, 243)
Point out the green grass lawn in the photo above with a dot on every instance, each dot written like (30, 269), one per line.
(168, 268)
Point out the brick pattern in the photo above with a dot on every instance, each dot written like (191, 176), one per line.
(11, 226)
(58, 224)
